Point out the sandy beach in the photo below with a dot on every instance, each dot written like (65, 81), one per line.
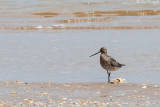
(48, 94)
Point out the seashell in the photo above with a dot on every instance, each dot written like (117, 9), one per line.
(13, 92)
(144, 86)
(43, 93)
(64, 98)
(119, 80)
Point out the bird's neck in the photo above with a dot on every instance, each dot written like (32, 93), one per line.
(104, 53)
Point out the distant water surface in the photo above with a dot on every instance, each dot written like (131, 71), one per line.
(79, 14)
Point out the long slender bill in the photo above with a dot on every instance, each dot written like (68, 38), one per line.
(94, 54)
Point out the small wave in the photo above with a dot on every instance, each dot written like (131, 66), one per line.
(118, 13)
(101, 13)
(58, 27)
(86, 20)
(39, 27)
(46, 14)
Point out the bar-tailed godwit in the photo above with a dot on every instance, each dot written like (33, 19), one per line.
(107, 62)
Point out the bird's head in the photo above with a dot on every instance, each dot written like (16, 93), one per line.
(102, 50)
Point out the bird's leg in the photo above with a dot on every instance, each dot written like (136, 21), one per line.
(108, 73)
(109, 76)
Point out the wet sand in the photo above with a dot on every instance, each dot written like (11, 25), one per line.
(47, 94)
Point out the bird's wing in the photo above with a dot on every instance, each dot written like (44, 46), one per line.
(113, 62)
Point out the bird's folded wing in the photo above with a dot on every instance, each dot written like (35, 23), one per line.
(114, 63)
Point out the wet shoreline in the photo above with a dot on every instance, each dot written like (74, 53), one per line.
(48, 94)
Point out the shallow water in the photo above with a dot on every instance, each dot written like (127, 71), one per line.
(51, 40)
(63, 56)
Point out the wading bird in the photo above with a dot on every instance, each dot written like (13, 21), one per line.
(107, 62)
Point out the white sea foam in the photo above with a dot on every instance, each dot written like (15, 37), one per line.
(39, 27)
